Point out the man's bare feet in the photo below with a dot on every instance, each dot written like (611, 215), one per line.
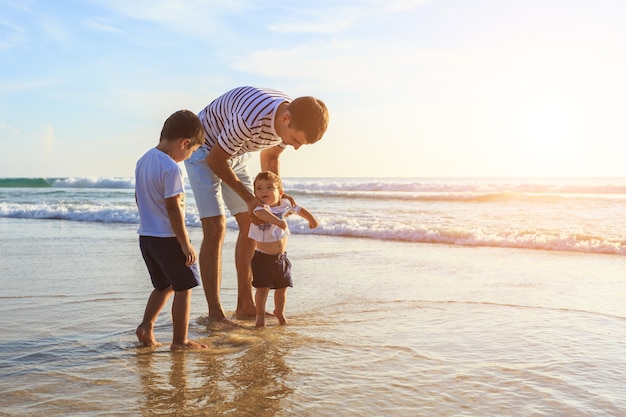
(245, 314)
(145, 336)
(218, 323)
(189, 345)
(250, 315)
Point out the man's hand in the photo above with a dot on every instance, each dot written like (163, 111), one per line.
(252, 204)
(290, 198)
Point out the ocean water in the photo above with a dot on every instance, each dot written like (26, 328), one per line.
(414, 297)
(581, 215)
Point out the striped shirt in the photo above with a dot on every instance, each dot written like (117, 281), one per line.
(242, 120)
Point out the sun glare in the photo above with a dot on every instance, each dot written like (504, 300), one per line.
(549, 129)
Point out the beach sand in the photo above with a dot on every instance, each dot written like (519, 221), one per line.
(376, 328)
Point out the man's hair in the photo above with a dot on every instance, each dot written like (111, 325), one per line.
(310, 115)
(183, 124)
(269, 176)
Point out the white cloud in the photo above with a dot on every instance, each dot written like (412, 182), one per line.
(98, 25)
(347, 65)
(327, 26)
(18, 85)
(334, 17)
(54, 29)
(198, 17)
(13, 37)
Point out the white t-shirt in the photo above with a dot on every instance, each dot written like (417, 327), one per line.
(157, 177)
(268, 232)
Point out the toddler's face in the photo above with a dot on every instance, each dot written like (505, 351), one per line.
(267, 192)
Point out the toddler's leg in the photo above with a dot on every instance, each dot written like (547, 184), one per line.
(280, 299)
(260, 298)
(145, 330)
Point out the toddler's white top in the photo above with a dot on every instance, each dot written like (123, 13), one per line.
(268, 232)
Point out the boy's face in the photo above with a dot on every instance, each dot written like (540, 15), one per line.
(183, 151)
(189, 151)
(267, 192)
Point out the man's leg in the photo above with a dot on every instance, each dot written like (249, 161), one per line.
(244, 250)
(210, 260)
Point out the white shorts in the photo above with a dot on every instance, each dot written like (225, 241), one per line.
(211, 195)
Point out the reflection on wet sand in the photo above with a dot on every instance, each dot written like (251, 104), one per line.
(243, 373)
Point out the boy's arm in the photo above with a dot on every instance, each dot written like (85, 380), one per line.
(307, 215)
(268, 217)
(177, 220)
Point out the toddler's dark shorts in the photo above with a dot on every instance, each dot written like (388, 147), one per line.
(271, 271)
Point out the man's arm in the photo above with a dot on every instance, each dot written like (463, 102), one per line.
(271, 162)
(217, 159)
(269, 159)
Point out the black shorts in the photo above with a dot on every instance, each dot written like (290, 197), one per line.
(167, 265)
(271, 271)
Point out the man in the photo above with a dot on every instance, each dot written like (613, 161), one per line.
(241, 121)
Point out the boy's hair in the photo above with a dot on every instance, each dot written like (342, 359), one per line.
(183, 124)
(269, 176)
(310, 115)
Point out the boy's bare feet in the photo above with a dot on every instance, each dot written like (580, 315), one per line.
(145, 336)
(189, 345)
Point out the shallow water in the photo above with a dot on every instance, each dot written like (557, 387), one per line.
(377, 328)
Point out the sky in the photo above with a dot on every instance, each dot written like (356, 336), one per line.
(415, 88)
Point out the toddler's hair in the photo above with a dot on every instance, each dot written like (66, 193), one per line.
(269, 176)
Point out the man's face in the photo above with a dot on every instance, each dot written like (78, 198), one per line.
(293, 137)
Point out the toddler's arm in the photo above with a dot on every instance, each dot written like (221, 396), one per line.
(267, 216)
(307, 215)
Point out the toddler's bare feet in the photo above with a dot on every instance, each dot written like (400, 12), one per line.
(189, 345)
(282, 320)
(145, 336)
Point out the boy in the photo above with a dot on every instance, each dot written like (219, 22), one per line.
(270, 267)
(163, 238)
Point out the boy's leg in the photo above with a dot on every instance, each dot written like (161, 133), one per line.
(280, 299)
(260, 299)
(156, 301)
(180, 320)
